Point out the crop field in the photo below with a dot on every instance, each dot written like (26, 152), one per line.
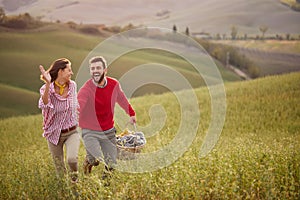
(278, 46)
(271, 63)
(270, 56)
(257, 155)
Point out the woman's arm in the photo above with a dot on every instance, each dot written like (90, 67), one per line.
(45, 76)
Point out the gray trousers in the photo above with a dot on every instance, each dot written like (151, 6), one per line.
(99, 145)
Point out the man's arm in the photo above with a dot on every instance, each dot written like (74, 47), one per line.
(124, 103)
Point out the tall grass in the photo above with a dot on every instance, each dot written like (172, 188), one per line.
(257, 156)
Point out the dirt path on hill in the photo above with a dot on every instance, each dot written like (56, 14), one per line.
(239, 72)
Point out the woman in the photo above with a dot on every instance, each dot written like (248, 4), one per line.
(58, 102)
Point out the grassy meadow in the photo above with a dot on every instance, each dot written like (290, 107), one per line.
(21, 52)
(16, 101)
(256, 157)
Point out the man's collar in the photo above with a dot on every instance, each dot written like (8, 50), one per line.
(101, 86)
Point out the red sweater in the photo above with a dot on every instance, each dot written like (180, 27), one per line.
(97, 105)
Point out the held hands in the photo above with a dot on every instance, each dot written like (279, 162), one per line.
(45, 76)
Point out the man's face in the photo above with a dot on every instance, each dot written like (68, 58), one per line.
(97, 71)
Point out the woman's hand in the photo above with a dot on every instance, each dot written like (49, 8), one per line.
(45, 76)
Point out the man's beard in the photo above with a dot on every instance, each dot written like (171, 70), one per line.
(100, 79)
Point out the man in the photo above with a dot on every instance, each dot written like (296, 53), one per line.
(97, 99)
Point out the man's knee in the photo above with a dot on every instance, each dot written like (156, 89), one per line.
(72, 159)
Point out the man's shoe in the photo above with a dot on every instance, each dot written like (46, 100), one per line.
(107, 173)
(74, 177)
(87, 167)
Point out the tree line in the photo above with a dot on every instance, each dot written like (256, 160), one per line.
(21, 21)
(234, 34)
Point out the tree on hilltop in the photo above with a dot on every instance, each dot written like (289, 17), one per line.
(187, 31)
(21, 21)
(2, 15)
(174, 28)
(234, 32)
(263, 29)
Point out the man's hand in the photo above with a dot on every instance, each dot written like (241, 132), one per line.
(132, 120)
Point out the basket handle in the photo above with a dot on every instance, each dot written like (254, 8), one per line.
(134, 126)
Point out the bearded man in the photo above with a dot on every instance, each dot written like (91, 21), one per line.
(97, 99)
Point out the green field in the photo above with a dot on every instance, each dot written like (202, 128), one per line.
(21, 52)
(256, 157)
(16, 101)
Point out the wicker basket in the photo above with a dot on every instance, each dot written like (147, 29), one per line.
(128, 153)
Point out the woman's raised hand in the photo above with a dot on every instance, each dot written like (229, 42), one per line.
(45, 76)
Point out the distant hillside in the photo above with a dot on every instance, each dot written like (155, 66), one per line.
(271, 56)
(199, 15)
(25, 50)
(22, 52)
(15, 101)
(13, 5)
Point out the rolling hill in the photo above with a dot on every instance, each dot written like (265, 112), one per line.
(24, 50)
(199, 15)
(15, 101)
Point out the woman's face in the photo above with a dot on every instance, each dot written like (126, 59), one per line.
(66, 73)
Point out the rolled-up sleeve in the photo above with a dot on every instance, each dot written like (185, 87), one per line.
(41, 104)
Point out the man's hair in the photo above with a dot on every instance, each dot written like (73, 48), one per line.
(98, 59)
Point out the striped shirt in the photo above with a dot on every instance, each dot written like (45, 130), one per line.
(60, 112)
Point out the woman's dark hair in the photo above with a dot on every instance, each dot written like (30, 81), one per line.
(58, 64)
